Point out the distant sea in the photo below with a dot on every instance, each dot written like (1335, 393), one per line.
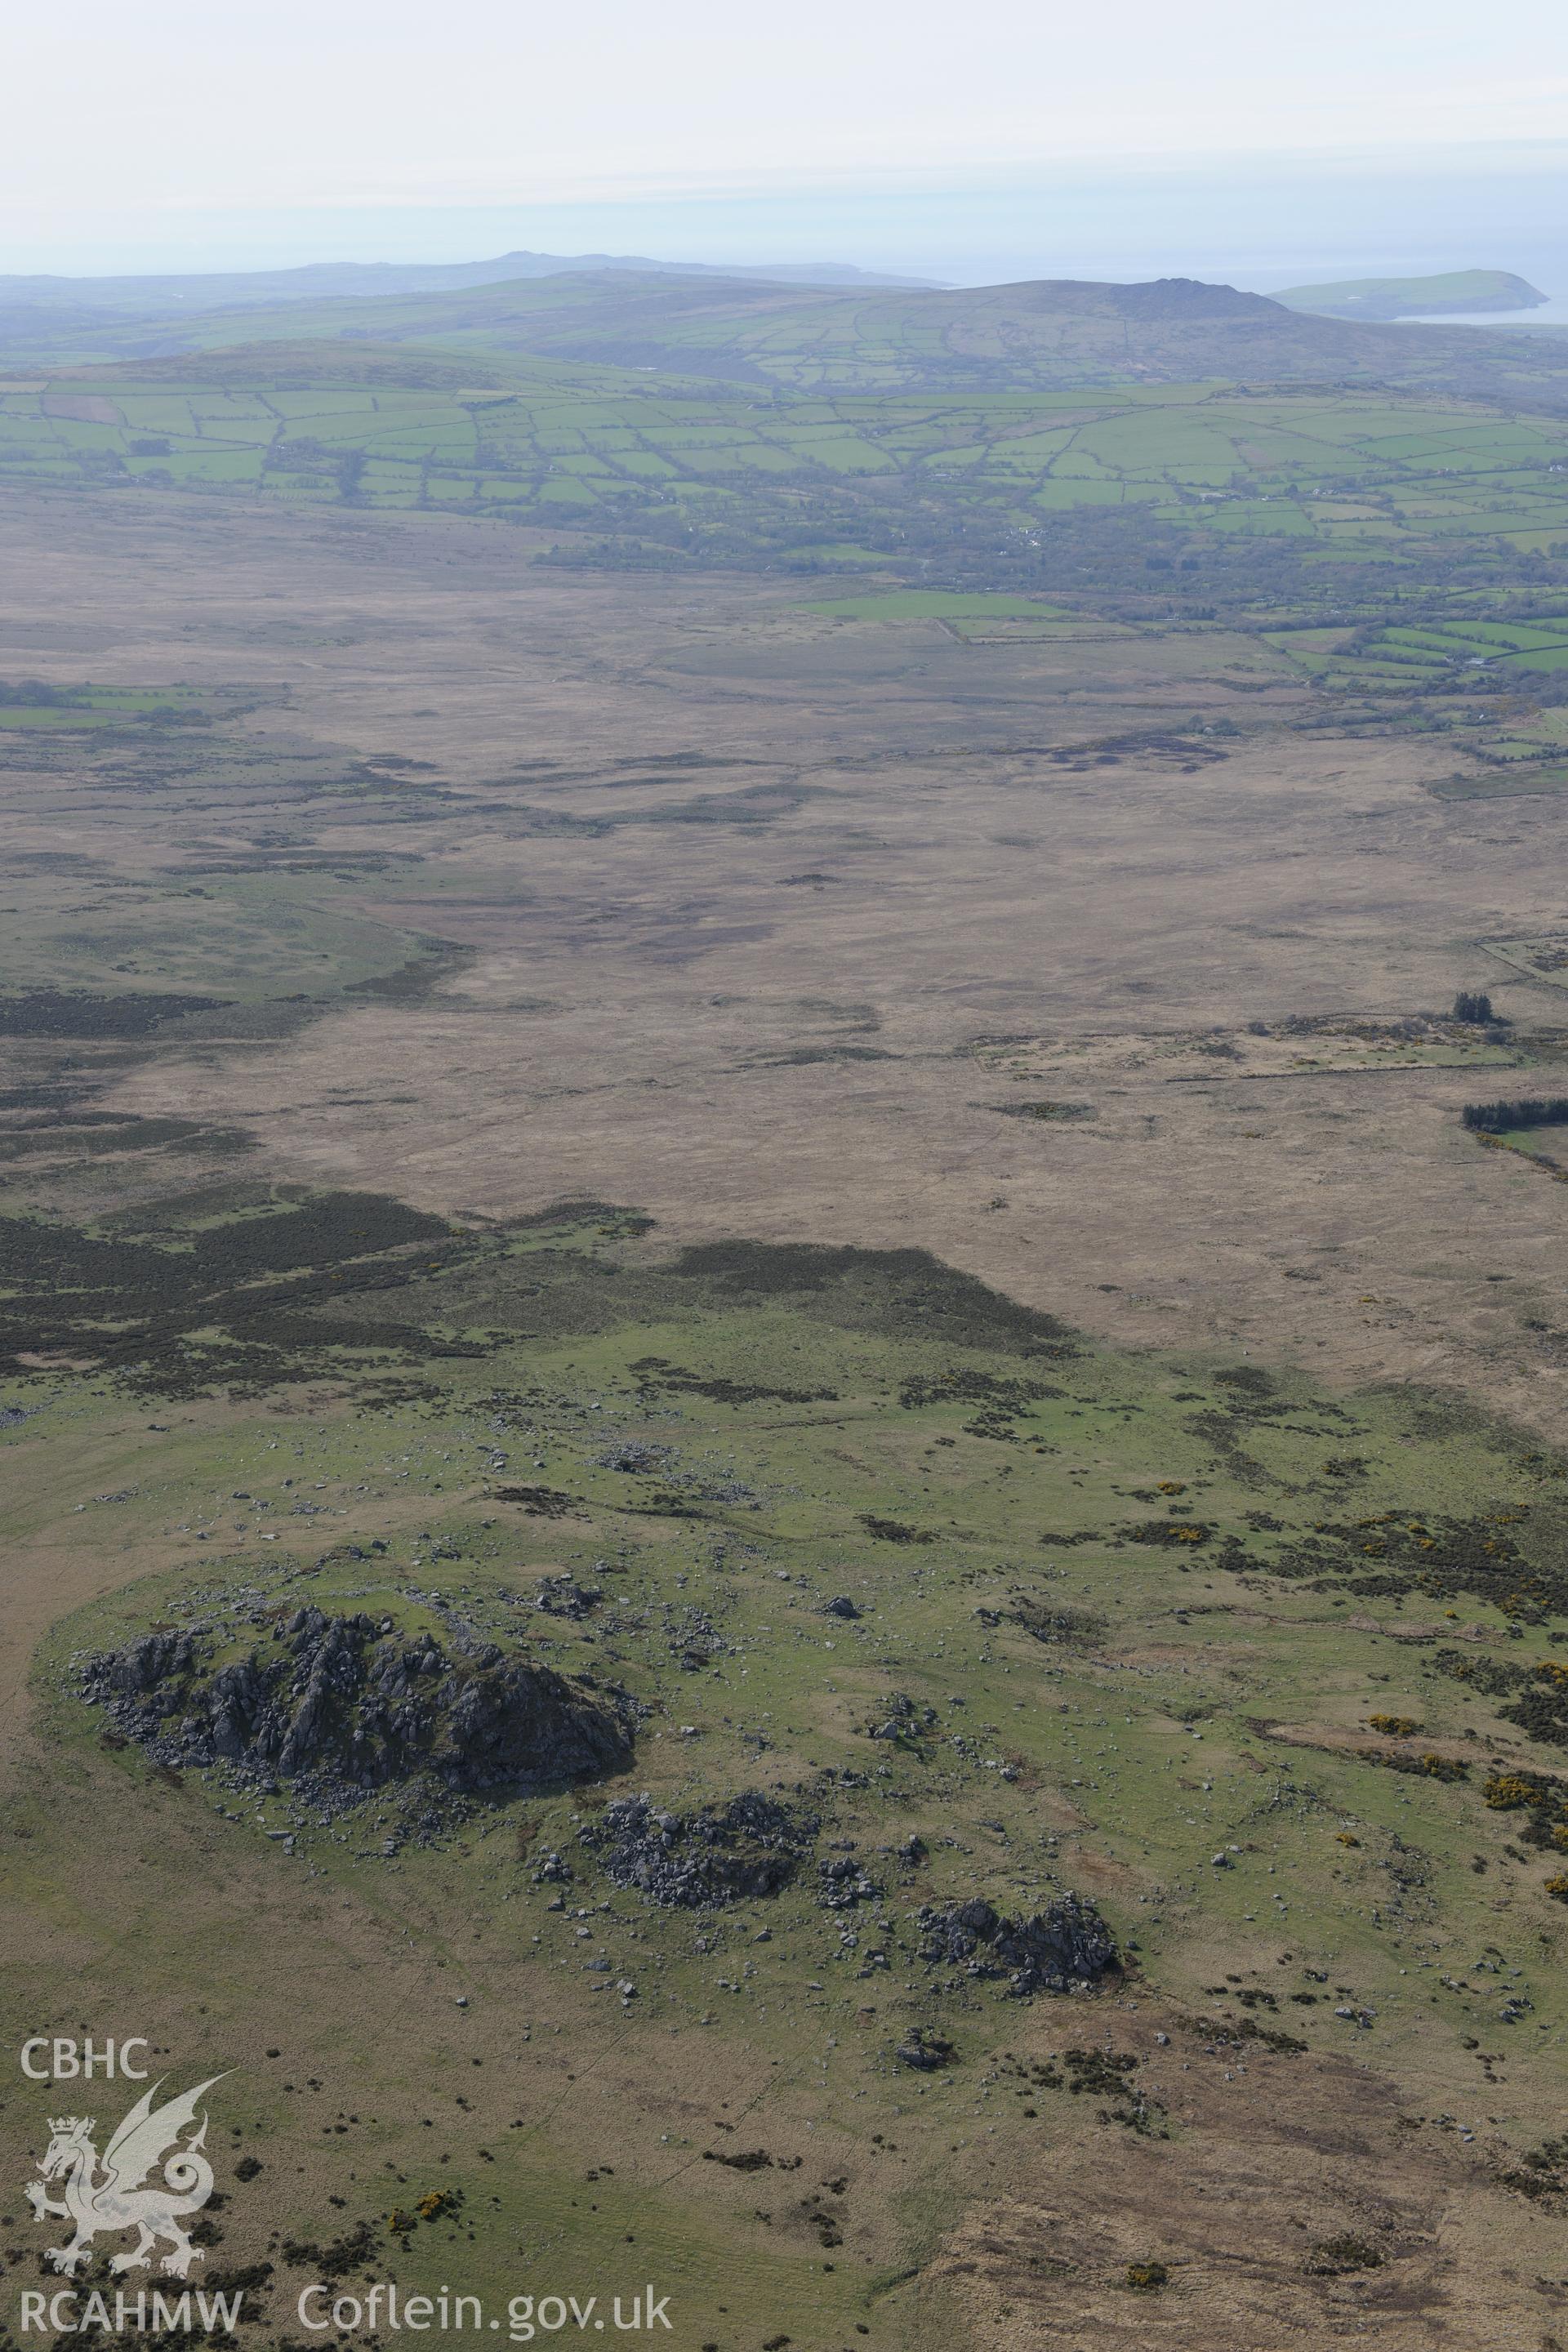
(1545, 314)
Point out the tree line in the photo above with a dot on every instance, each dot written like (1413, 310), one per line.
(1530, 1110)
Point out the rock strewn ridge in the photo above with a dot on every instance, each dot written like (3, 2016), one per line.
(347, 1699)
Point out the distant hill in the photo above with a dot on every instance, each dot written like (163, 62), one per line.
(1040, 335)
(1466, 293)
(86, 299)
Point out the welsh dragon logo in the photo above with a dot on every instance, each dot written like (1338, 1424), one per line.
(109, 2191)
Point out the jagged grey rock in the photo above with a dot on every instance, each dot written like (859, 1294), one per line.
(712, 1855)
(335, 1699)
(1068, 1943)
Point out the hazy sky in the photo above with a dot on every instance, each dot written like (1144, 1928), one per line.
(328, 101)
(168, 117)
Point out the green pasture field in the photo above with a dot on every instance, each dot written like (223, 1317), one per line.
(1440, 1055)
(72, 709)
(1543, 958)
(248, 937)
(1421, 654)
(1548, 1144)
(1527, 734)
(1518, 780)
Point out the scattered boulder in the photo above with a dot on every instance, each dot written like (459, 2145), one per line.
(843, 1884)
(1053, 1622)
(926, 2051)
(904, 1720)
(634, 1460)
(712, 1855)
(840, 1606)
(541, 1502)
(1063, 1947)
(561, 1596)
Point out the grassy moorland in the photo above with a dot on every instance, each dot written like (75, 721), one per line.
(1269, 1676)
(744, 1252)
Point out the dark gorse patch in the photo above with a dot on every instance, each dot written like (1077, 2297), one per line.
(254, 1299)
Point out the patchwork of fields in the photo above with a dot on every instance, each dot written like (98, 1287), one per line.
(1347, 471)
(1509, 652)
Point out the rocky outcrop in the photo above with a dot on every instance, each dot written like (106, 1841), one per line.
(926, 2051)
(353, 1704)
(1059, 1949)
(563, 1596)
(903, 1721)
(843, 1883)
(711, 1856)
